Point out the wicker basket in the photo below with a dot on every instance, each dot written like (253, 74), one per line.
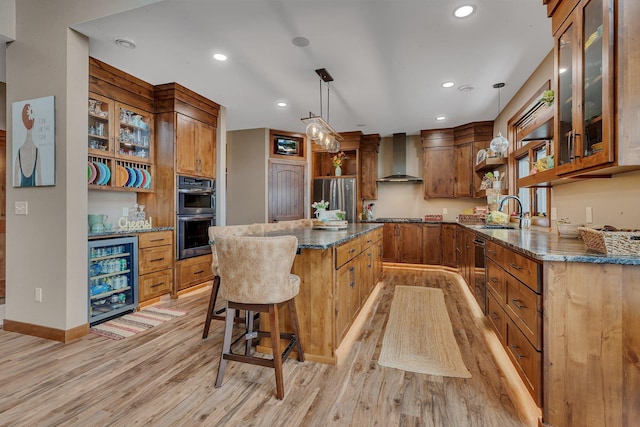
(611, 242)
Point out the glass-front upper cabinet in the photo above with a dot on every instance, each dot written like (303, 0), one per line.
(134, 134)
(99, 132)
(584, 116)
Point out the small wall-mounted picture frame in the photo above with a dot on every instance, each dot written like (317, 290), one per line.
(287, 145)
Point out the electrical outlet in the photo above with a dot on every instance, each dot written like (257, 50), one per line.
(444, 211)
(39, 294)
(21, 208)
(589, 214)
(554, 214)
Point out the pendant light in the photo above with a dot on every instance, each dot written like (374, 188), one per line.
(499, 144)
(318, 130)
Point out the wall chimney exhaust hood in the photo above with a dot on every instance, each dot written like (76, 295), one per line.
(400, 161)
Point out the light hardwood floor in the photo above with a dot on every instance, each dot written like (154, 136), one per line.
(165, 377)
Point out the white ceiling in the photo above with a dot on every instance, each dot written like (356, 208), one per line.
(388, 58)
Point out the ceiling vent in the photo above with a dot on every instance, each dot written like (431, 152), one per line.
(400, 161)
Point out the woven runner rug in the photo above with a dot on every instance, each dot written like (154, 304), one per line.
(131, 324)
(419, 336)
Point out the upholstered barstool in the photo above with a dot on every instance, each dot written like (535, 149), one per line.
(232, 230)
(255, 275)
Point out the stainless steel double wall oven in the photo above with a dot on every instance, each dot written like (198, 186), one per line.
(196, 212)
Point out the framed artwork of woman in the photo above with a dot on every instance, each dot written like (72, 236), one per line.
(33, 129)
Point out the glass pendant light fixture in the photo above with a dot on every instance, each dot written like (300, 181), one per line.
(499, 144)
(318, 130)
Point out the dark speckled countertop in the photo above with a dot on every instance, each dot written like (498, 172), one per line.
(119, 233)
(309, 238)
(538, 244)
(546, 246)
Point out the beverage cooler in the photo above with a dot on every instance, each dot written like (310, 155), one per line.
(113, 278)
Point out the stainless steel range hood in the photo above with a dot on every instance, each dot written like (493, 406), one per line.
(400, 161)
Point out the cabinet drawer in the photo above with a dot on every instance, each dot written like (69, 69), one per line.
(524, 269)
(491, 250)
(156, 238)
(154, 259)
(193, 271)
(347, 251)
(525, 308)
(497, 318)
(154, 284)
(527, 360)
(495, 282)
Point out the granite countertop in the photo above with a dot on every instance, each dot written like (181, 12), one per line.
(118, 233)
(547, 246)
(309, 238)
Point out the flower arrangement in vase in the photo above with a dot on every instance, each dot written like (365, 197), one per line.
(319, 207)
(337, 162)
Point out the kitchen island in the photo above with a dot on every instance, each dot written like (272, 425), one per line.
(338, 270)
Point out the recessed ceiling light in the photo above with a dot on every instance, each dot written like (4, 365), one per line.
(448, 84)
(300, 41)
(220, 57)
(281, 104)
(441, 118)
(466, 88)
(361, 125)
(125, 43)
(464, 11)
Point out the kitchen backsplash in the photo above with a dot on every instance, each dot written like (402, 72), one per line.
(110, 203)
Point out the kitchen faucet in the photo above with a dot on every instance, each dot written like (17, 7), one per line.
(519, 204)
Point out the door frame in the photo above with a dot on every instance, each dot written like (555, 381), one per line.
(305, 184)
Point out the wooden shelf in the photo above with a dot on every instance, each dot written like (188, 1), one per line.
(490, 163)
(539, 179)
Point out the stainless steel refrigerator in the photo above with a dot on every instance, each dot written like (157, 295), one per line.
(339, 192)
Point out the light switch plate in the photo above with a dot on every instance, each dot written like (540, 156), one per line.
(21, 208)
(589, 215)
(445, 211)
(554, 214)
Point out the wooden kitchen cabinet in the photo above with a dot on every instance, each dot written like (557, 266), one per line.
(402, 242)
(193, 271)
(369, 166)
(448, 243)
(432, 244)
(514, 309)
(449, 157)
(195, 147)
(155, 264)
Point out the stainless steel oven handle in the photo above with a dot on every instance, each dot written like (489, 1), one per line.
(194, 217)
(195, 191)
(213, 201)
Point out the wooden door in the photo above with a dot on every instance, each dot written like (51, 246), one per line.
(286, 190)
(410, 243)
(3, 214)
(438, 172)
(463, 167)
(369, 174)
(389, 242)
(344, 291)
(431, 242)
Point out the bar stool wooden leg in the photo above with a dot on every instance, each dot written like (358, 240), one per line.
(226, 344)
(277, 353)
(212, 306)
(296, 328)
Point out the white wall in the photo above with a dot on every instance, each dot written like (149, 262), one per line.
(48, 247)
(247, 181)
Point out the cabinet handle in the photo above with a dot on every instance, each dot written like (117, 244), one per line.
(518, 303)
(493, 279)
(515, 351)
(352, 250)
(157, 259)
(495, 316)
(516, 266)
(156, 285)
(575, 135)
(492, 252)
(157, 240)
(198, 272)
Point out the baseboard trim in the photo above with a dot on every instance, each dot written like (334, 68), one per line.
(46, 332)
(424, 267)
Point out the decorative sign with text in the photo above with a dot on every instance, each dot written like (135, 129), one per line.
(126, 224)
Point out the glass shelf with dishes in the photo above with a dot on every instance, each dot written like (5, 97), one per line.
(99, 131)
(112, 277)
(135, 134)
